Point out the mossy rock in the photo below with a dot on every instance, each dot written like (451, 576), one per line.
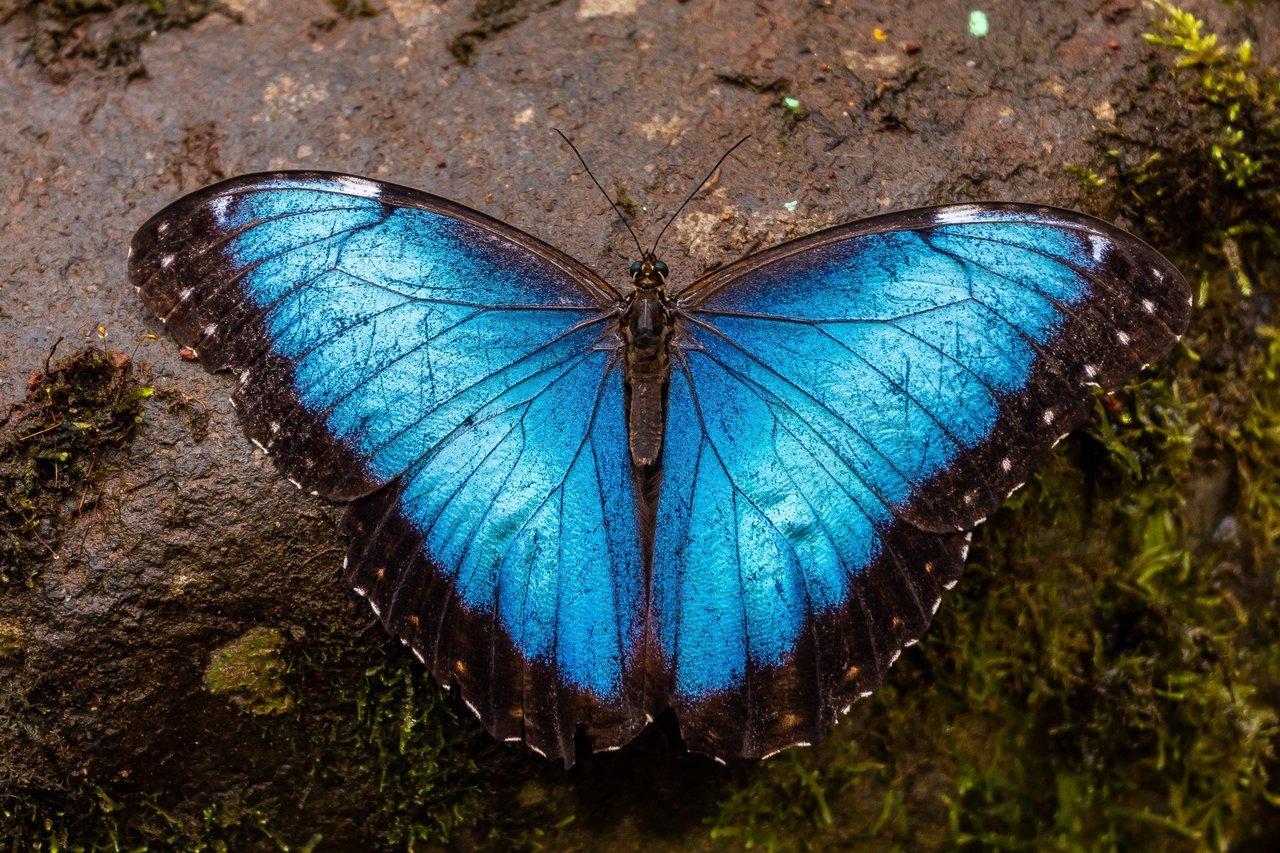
(248, 671)
(55, 447)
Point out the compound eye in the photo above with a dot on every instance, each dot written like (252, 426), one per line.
(661, 268)
(635, 267)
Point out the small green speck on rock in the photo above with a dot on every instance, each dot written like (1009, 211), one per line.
(978, 24)
(248, 671)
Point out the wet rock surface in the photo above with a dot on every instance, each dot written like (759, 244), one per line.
(193, 543)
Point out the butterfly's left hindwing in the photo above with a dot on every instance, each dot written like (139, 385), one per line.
(529, 508)
(459, 377)
(843, 410)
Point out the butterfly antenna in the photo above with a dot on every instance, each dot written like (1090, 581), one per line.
(621, 218)
(700, 185)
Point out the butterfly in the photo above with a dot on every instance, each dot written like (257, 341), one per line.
(582, 503)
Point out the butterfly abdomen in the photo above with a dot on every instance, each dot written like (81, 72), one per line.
(646, 330)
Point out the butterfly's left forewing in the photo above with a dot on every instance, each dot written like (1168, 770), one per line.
(843, 410)
(458, 377)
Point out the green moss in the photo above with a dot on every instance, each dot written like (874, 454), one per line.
(1090, 181)
(54, 450)
(1257, 439)
(1209, 182)
(88, 819)
(436, 776)
(626, 203)
(427, 773)
(12, 643)
(248, 671)
(1229, 80)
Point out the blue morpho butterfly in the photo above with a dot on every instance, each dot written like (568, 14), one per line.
(584, 503)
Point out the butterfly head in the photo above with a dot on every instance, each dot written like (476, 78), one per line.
(649, 274)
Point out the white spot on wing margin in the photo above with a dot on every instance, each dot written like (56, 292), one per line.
(959, 214)
(1097, 247)
(362, 187)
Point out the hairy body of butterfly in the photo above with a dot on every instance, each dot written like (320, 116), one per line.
(646, 327)
(582, 504)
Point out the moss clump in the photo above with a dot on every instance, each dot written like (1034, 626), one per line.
(53, 447)
(248, 671)
(68, 35)
(12, 643)
(1209, 182)
(628, 205)
(1256, 437)
(435, 775)
(1241, 96)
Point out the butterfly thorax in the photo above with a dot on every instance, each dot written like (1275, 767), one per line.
(646, 332)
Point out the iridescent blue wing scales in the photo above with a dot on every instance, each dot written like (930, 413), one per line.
(459, 379)
(843, 410)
